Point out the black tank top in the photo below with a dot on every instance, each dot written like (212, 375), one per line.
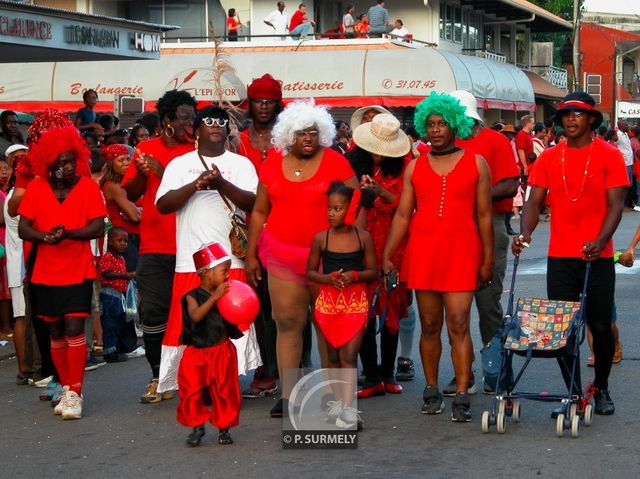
(352, 261)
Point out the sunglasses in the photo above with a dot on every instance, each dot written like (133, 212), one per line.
(309, 133)
(208, 121)
(262, 101)
(576, 113)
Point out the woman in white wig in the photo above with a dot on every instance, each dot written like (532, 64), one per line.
(290, 209)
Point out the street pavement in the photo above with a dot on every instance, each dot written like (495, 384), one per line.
(119, 437)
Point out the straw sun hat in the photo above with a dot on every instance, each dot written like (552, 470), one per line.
(382, 136)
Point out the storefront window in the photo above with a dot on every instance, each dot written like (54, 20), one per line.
(457, 26)
(448, 27)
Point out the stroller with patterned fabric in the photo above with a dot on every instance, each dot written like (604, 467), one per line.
(541, 328)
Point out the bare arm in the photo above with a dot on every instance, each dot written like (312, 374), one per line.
(615, 205)
(2, 220)
(93, 230)
(401, 219)
(14, 202)
(529, 220)
(370, 272)
(197, 312)
(505, 188)
(313, 263)
(259, 214)
(627, 258)
(523, 161)
(485, 222)
(116, 193)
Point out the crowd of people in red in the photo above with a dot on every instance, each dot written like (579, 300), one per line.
(355, 228)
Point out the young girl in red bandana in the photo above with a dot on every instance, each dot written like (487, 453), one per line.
(348, 261)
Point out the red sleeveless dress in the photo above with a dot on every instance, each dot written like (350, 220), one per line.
(444, 251)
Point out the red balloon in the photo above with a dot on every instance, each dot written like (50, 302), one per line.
(239, 305)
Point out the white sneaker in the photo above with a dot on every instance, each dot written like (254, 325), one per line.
(60, 406)
(72, 406)
(136, 353)
(349, 418)
(334, 408)
(42, 383)
(636, 208)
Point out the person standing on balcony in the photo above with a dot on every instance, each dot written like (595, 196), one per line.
(348, 22)
(524, 144)
(378, 19)
(278, 20)
(233, 25)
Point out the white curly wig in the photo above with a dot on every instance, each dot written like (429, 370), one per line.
(300, 115)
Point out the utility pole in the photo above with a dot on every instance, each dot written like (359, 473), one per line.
(576, 42)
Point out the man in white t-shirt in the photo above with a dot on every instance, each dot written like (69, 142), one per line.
(279, 21)
(399, 29)
(192, 186)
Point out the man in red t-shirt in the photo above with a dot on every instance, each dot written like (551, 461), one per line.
(587, 181)
(496, 150)
(524, 143)
(300, 25)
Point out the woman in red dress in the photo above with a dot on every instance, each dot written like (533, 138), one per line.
(122, 212)
(290, 209)
(61, 211)
(450, 249)
(379, 160)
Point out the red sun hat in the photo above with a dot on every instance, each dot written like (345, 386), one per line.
(266, 87)
(210, 256)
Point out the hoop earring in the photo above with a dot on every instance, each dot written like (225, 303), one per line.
(196, 143)
(173, 131)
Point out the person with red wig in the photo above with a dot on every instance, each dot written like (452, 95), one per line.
(61, 211)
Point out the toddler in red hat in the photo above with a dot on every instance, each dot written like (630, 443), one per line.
(209, 359)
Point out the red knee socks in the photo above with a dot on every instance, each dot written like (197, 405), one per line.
(59, 356)
(76, 361)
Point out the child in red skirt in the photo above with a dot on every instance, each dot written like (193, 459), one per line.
(348, 263)
(209, 359)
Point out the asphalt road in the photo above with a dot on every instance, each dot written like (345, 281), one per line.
(119, 437)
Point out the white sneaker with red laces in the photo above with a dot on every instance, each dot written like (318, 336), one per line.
(60, 406)
(72, 406)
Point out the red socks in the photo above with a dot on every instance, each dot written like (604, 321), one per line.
(59, 356)
(76, 361)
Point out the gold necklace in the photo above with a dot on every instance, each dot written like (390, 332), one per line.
(584, 177)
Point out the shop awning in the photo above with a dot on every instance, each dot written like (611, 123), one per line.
(543, 89)
(349, 78)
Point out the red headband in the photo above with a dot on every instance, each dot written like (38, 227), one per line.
(576, 104)
(352, 211)
(111, 152)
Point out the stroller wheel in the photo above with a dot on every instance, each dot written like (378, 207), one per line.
(588, 415)
(575, 426)
(515, 413)
(573, 411)
(501, 423)
(485, 422)
(560, 425)
(502, 406)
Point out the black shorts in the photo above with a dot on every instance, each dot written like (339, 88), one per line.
(58, 301)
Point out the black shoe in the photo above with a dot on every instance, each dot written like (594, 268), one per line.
(224, 437)
(511, 232)
(194, 438)
(461, 408)
(405, 370)
(604, 404)
(115, 357)
(451, 388)
(280, 408)
(433, 402)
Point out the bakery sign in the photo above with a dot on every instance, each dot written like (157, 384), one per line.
(628, 109)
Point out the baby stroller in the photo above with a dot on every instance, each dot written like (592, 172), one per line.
(541, 328)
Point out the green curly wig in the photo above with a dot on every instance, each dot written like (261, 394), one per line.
(449, 108)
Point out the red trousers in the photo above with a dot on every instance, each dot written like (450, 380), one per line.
(215, 368)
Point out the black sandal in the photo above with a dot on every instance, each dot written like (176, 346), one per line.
(194, 438)
(224, 437)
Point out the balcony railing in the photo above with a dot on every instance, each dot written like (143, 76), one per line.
(486, 54)
(554, 75)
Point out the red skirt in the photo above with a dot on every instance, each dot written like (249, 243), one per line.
(341, 314)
